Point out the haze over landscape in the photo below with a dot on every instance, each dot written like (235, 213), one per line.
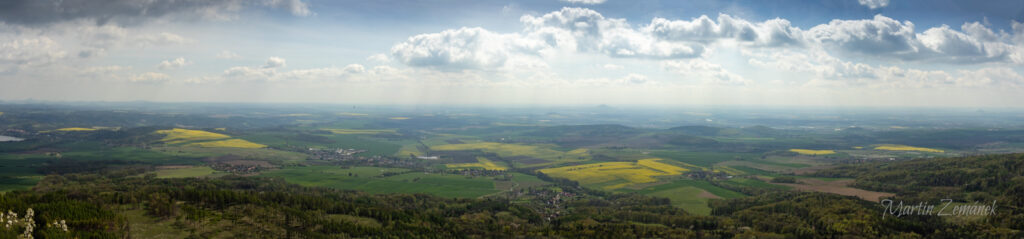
(511, 119)
(824, 53)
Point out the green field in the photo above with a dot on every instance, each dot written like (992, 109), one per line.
(685, 194)
(753, 183)
(270, 155)
(370, 179)
(331, 141)
(9, 183)
(704, 159)
(544, 152)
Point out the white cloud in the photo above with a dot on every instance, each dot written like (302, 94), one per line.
(274, 62)
(161, 39)
(464, 48)
(613, 67)
(773, 32)
(29, 52)
(225, 54)
(296, 7)
(150, 77)
(828, 71)
(874, 4)
(173, 64)
(878, 36)
(589, 2)
(887, 38)
(379, 58)
(703, 71)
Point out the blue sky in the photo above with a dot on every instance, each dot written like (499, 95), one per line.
(773, 53)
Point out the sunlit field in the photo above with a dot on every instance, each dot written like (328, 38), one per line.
(230, 143)
(177, 136)
(813, 151)
(897, 147)
(624, 173)
(482, 162)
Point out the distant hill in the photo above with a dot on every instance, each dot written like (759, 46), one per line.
(585, 135)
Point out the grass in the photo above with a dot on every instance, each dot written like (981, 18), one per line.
(686, 194)
(372, 147)
(371, 180)
(897, 147)
(482, 162)
(230, 143)
(753, 183)
(614, 175)
(10, 183)
(324, 141)
(189, 172)
(271, 155)
(686, 198)
(703, 159)
(813, 151)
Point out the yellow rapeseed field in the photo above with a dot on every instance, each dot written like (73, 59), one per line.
(481, 163)
(76, 129)
(813, 151)
(399, 118)
(897, 147)
(230, 143)
(176, 136)
(642, 171)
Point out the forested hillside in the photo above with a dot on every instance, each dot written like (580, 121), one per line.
(113, 205)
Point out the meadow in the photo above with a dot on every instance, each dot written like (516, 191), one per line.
(323, 141)
(690, 195)
(703, 159)
(371, 179)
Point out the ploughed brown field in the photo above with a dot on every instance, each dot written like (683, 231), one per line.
(840, 187)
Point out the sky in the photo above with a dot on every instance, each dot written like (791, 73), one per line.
(831, 53)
